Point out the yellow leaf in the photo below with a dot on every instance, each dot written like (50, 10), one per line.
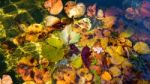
(108, 21)
(128, 43)
(106, 76)
(115, 57)
(126, 64)
(34, 28)
(141, 48)
(29, 82)
(119, 50)
(115, 71)
(117, 60)
(104, 42)
(126, 34)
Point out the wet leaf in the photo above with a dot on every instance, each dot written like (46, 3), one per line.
(69, 36)
(127, 33)
(115, 57)
(55, 42)
(115, 71)
(106, 76)
(73, 50)
(108, 22)
(85, 53)
(141, 48)
(51, 53)
(76, 61)
(74, 37)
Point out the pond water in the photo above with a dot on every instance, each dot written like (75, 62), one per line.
(75, 41)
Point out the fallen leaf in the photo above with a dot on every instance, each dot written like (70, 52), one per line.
(106, 76)
(85, 56)
(115, 71)
(141, 48)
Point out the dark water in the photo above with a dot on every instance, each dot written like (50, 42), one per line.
(104, 3)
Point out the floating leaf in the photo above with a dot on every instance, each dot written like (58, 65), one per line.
(76, 62)
(55, 42)
(115, 71)
(73, 50)
(106, 76)
(84, 23)
(51, 53)
(115, 57)
(127, 33)
(85, 56)
(69, 36)
(74, 37)
(104, 42)
(108, 22)
(65, 33)
(141, 48)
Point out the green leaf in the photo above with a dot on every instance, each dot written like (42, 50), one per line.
(55, 42)
(70, 36)
(51, 53)
(97, 78)
(74, 37)
(76, 62)
(65, 33)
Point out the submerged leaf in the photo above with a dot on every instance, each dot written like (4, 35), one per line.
(127, 33)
